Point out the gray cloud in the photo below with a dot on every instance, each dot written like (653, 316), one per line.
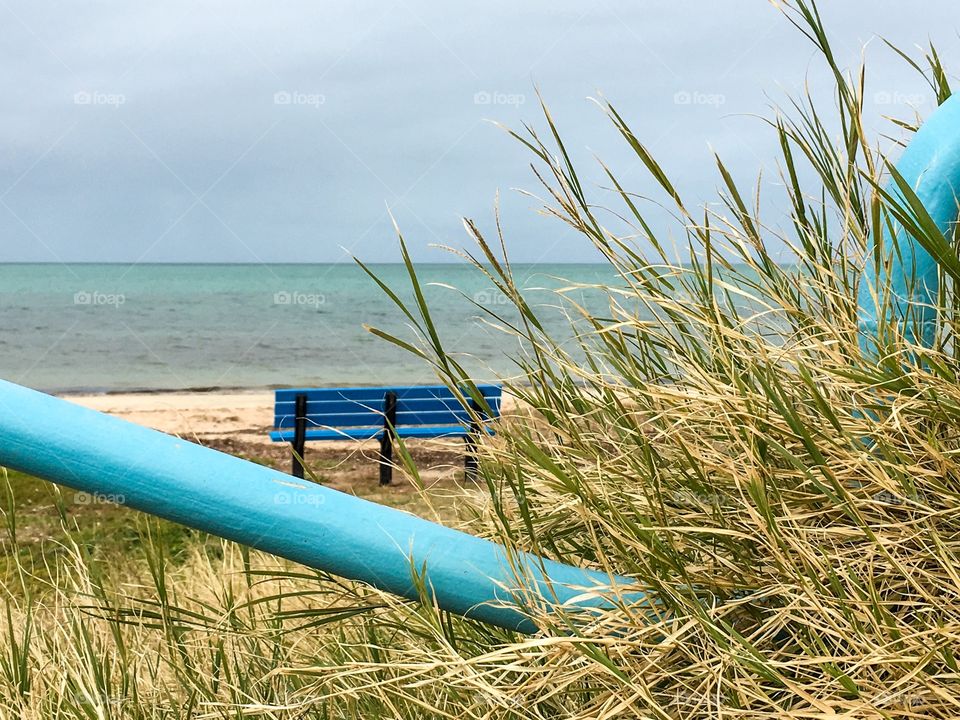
(162, 133)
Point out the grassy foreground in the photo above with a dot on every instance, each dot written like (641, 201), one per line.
(792, 508)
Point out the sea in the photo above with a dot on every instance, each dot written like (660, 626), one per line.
(120, 328)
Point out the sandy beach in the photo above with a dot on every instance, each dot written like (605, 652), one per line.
(199, 416)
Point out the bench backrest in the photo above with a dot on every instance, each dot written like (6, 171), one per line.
(364, 406)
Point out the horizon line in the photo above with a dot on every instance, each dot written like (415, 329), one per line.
(260, 264)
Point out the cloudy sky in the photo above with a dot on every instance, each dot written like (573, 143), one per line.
(290, 131)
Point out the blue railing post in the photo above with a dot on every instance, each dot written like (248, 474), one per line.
(904, 287)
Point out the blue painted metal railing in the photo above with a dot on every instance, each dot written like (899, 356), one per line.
(904, 287)
(269, 510)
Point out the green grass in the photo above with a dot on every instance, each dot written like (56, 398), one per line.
(103, 530)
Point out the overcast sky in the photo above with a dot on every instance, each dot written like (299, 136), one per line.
(289, 131)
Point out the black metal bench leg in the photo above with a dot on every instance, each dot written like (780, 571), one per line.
(470, 458)
(386, 437)
(299, 436)
(386, 458)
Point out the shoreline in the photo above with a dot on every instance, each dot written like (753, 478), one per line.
(67, 393)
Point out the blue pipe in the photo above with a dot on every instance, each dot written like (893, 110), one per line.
(324, 529)
(930, 164)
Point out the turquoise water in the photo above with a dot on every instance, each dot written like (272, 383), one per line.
(71, 328)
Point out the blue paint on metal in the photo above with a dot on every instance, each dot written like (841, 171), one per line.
(931, 166)
(271, 511)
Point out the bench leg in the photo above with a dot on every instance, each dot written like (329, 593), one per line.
(470, 458)
(470, 439)
(296, 464)
(386, 438)
(386, 458)
(299, 436)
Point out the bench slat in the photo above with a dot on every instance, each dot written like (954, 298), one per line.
(419, 431)
(356, 415)
(320, 407)
(444, 417)
(377, 393)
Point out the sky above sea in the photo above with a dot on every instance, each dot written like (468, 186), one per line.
(298, 131)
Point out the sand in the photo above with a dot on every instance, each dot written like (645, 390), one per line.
(246, 416)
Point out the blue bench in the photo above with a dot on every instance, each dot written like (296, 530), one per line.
(384, 414)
